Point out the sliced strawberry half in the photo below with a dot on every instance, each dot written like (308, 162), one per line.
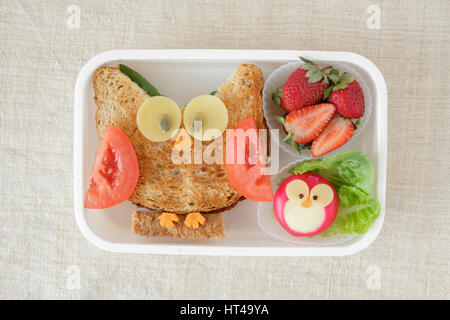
(337, 132)
(307, 123)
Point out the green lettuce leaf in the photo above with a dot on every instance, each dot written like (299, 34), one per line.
(348, 168)
(357, 212)
(352, 175)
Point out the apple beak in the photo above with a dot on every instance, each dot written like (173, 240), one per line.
(306, 203)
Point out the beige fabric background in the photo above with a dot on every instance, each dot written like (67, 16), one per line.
(41, 57)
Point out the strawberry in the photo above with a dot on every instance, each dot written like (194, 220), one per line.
(306, 124)
(349, 101)
(346, 94)
(337, 132)
(303, 87)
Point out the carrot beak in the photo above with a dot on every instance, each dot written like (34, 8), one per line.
(306, 203)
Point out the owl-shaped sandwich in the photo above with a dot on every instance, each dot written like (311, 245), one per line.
(186, 199)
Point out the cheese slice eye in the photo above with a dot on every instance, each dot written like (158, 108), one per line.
(158, 117)
(297, 190)
(322, 195)
(205, 117)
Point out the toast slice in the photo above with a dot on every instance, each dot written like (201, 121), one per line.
(147, 224)
(162, 184)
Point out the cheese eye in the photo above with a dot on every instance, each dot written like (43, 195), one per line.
(205, 117)
(322, 194)
(297, 190)
(157, 118)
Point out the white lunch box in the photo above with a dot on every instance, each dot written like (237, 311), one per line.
(181, 75)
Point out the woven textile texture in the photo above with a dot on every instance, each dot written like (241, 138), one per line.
(41, 55)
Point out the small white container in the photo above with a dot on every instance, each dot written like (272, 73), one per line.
(183, 74)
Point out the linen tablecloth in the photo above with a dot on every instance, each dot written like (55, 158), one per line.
(42, 48)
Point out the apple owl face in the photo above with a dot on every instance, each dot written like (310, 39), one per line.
(305, 204)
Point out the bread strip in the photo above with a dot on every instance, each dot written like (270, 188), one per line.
(147, 224)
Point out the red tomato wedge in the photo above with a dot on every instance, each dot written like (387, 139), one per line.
(245, 166)
(115, 172)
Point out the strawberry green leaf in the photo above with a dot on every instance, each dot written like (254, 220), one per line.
(325, 81)
(280, 120)
(298, 147)
(346, 78)
(339, 86)
(276, 96)
(306, 60)
(327, 92)
(315, 76)
(308, 66)
(334, 78)
(334, 71)
(275, 99)
(310, 73)
(356, 122)
(280, 91)
(326, 68)
(289, 139)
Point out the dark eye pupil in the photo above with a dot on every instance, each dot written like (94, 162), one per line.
(300, 196)
(315, 198)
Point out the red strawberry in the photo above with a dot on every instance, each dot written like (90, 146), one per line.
(303, 88)
(337, 132)
(299, 92)
(349, 101)
(307, 123)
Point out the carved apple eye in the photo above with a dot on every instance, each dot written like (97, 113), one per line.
(322, 195)
(297, 190)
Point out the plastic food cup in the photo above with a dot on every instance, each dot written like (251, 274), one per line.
(271, 110)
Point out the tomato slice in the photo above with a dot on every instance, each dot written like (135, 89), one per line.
(115, 172)
(246, 169)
